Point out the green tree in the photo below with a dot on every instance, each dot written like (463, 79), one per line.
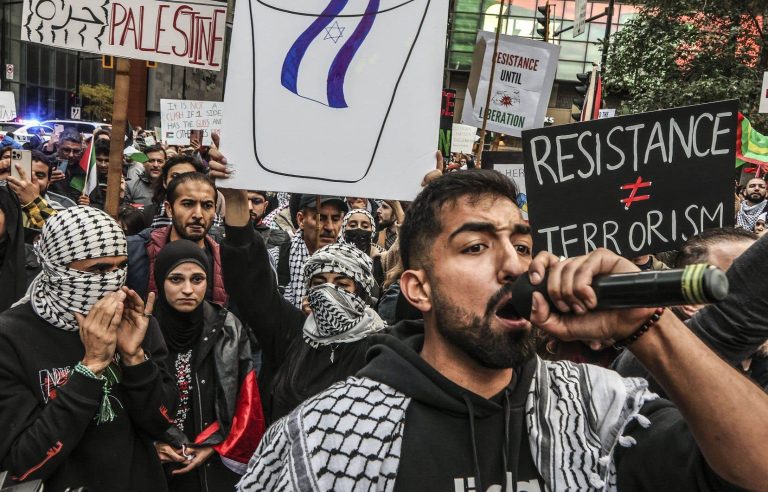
(97, 101)
(683, 52)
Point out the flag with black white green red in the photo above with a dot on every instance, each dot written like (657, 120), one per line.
(86, 183)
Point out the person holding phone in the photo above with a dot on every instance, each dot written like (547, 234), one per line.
(36, 209)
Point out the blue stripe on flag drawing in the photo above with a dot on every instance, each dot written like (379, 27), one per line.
(340, 64)
(289, 76)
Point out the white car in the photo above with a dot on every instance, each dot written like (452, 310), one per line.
(23, 134)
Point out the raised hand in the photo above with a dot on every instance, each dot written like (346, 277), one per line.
(98, 331)
(133, 326)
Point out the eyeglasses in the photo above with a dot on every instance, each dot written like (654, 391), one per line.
(70, 151)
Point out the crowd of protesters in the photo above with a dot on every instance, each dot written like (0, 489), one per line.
(214, 339)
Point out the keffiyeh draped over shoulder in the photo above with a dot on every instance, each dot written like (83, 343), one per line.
(77, 233)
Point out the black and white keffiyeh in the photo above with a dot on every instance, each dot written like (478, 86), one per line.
(77, 233)
(297, 258)
(748, 214)
(346, 218)
(339, 316)
(284, 201)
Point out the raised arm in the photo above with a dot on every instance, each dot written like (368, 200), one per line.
(725, 412)
(251, 281)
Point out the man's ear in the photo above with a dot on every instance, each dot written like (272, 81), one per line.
(300, 218)
(416, 289)
(167, 206)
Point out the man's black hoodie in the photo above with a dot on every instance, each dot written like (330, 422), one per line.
(457, 441)
(454, 440)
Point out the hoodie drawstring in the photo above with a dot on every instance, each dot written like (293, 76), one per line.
(516, 437)
(471, 410)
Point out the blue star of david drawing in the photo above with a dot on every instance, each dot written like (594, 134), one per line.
(334, 32)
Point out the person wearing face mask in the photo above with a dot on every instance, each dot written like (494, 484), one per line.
(210, 358)
(358, 229)
(306, 350)
(82, 383)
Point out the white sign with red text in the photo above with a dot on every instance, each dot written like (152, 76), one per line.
(175, 32)
(180, 117)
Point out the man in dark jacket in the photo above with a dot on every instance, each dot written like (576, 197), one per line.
(191, 204)
(257, 205)
(82, 390)
(467, 406)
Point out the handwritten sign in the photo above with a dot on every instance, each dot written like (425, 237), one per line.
(175, 32)
(179, 117)
(510, 164)
(7, 106)
(463, 137)
(634, 184)
(522, 83)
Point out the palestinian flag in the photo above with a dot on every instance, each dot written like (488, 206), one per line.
(751, 147)
(88, 165)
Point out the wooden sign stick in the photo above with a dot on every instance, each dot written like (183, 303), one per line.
(117, 142)
(479, 157)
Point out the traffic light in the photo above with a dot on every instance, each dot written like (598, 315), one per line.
(107, 61)
(581, 89)
(544, 21)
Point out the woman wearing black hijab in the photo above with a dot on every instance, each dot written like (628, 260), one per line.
(210, 358)
(13, 275)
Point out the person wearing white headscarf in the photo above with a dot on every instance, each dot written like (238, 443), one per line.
(81, 378)
(303, 352)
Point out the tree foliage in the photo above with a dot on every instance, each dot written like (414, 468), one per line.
(683, 52)
(97, 101)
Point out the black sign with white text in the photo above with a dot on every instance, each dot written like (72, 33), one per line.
(634, 184)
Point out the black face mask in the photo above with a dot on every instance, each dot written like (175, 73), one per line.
(360, 238)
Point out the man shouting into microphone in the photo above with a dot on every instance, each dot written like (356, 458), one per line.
(461, 402)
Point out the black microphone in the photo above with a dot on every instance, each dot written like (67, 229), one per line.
(694, 284)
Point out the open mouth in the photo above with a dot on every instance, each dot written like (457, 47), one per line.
(507, 311)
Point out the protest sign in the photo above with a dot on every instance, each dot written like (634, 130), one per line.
(331, 101)
(522, 83)
(510, 164)
(764, 95)
(463, 138)
(634, 184)
(178, 117)
(175, 32)
(606, 113)
(446, 122)
(7, 106)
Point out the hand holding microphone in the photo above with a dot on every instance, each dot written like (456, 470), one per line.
(588, 298)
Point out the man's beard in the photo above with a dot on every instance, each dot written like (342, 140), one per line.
(473, 335)
(384, 224)
(182, 231)
(755, 198)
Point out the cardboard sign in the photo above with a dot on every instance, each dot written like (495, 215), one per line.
(522, 83)
(764, 95)
(510, 164)
(7, 106)
(179, 117)
(339, 98)
(175, 32)
(463, 138)
(446, 122)
(634, 184)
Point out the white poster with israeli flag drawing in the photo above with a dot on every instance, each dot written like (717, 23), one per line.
(335, 96)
